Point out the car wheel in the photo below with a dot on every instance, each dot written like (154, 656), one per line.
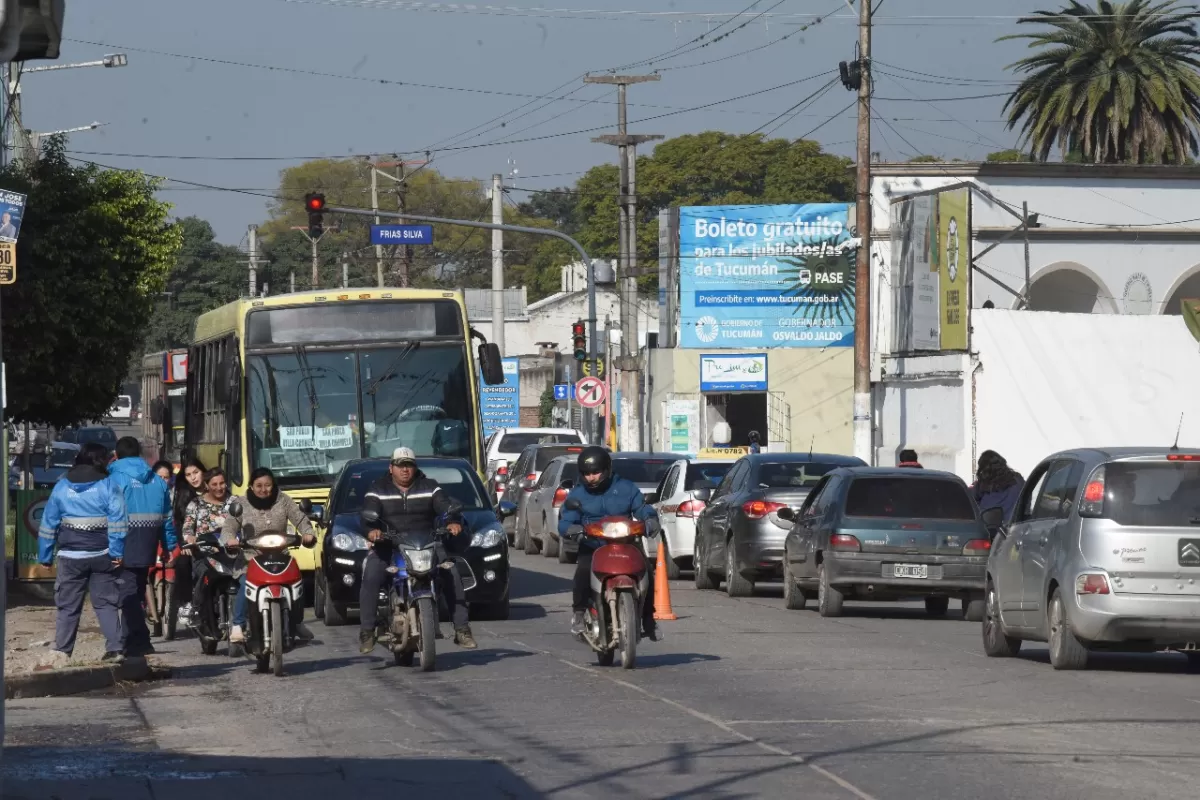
(793, 598)
(550, 545)
(829, 598)
(996, 643)
(531, 544)
(1066, 651)
(937, 606)
(974, 606)
(334, 614)
(319, 594)
(735, 584)
(702, 576)
(518, 537)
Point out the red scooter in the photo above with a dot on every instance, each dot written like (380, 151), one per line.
(161, 609)
(620, 582)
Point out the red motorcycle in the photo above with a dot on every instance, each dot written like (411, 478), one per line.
(620, 582)
(161, 611)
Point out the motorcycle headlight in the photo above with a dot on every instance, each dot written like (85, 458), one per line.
(419, 560)
(488, 537)
(349, 542)
(267, 541)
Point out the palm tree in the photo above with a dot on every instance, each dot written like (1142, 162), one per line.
(1115, 83)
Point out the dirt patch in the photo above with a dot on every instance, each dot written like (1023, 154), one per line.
(29, 637)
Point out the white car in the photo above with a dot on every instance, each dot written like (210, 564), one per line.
(122, 409)
(506, 444)
(678, 507)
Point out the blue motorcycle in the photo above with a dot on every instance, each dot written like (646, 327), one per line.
(408, 611)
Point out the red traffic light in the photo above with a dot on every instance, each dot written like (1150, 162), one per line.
(577, 329)
(314, 202)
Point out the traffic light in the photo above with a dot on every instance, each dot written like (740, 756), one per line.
(315, 205)
(579, 339)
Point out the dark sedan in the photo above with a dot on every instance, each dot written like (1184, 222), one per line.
(45, 468)
(344, 547)
(870, 533)
(739, 534)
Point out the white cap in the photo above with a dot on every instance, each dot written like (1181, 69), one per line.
(401, 454)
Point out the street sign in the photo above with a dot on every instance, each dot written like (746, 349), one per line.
(401, 234)
(564, 391)
(590, 392)
(587, 368)
(8, 263)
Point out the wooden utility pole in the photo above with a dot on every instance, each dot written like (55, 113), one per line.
(631, 436)
(863, 437)
(404, 269)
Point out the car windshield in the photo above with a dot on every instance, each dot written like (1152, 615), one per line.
(459, 481)
(104, 436)
(791, 474)
(909, 498)
(62, 458)
(642, 470)
(305, 406)
(703, 475)
(544, 455)
(1158, 494)
(516, 442)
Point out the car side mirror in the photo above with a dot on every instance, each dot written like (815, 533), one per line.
(993, 518)
(786, 514)
(568, 484)
(573, 504)
(506, 509)
(703, 494)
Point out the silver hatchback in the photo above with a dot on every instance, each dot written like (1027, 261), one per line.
(1102, 553)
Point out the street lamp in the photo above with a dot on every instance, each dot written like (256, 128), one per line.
(111, 60)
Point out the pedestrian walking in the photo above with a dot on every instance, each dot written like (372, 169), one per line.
(908, 459)
(86, 518)
(996, 484)
(148, 504)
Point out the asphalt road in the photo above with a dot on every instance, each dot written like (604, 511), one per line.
(743, 699)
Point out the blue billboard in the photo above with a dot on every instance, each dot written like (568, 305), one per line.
(766, 276)
(500, 406)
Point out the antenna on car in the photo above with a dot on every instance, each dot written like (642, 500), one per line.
(1177, 432)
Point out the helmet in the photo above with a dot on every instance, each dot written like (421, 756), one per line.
(595, 459)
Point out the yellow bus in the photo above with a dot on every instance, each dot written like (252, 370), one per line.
(302, 383)
(163, 378)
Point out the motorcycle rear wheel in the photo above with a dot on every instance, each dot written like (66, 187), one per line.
(277, 639)
(627, 640)
(428, 621)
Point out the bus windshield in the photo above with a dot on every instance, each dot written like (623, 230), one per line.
(310, 411)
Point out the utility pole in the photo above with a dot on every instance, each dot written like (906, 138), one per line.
(375, 208)
(401, 181)
(316, 256)
(345, 269)
(631, 433)
(863, 435)
(252, 234)
(498, 263)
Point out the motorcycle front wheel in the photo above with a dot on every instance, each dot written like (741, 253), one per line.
(627, 640)
(277, 639)
(427, 618)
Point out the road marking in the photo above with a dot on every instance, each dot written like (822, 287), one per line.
(727, 728)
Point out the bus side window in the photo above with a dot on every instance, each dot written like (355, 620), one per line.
(232, 417)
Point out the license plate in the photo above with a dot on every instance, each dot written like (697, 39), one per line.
(910, 571)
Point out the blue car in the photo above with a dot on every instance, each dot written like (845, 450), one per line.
(344, 547)
(45, 468)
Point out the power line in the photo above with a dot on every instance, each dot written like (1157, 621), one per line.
(797, 107)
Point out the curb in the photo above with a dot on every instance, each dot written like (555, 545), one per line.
(74, 680)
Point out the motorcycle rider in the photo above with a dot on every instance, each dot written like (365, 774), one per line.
(409, 502)
(603, 494)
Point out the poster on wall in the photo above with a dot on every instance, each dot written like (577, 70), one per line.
(500, 405)
(926, 299)
(682, 425)
(767, 276)
(733, 373)
(953, 253)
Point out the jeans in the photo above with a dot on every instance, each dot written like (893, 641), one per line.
(582, 590)
(376, 577)
(133, 591)
(241, 603)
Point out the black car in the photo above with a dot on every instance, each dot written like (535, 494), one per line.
(344, 547)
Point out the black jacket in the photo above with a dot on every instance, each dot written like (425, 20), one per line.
(412, 512)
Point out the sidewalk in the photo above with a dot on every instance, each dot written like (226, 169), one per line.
(29, 637)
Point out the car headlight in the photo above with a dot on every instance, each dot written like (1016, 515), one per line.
(349, 542)
(419, 560)
(488, 537)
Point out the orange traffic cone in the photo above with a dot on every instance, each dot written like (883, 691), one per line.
(662, 587)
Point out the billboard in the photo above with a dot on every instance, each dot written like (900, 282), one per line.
(12, 211)
(500, 406)
(953, 255)
(727, 372)
(766, 276)
(916, 297)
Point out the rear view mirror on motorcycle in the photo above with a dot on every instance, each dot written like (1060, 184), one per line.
(235, 508)
(573, 504)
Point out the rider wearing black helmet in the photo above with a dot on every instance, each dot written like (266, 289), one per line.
(602, 494)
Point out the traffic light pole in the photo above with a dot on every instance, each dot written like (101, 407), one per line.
(504, 226)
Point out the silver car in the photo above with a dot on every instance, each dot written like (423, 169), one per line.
(1103, 552)
(544, 503)
(678, 509)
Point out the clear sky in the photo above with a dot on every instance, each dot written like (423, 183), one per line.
(177, 99)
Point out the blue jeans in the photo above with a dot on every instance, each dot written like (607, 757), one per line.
(240, 602)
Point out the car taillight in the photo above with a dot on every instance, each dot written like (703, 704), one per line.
(844, 541)
(1092, 504)
(757, 509)
(690, 509)
(560, 497)
(977, 547)
(529, 479)
(1093, 583)
(1182, 457)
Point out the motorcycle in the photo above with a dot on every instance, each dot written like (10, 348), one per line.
(160, 596)
(408, 608)
(620, 581)
(214, 564)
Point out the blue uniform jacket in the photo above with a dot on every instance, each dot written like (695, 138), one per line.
(622, 498)
(85, 514)
(148, 502)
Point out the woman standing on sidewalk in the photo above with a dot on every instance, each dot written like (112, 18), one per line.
(189, 483)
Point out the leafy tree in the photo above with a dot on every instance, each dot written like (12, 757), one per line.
(1117, 81)
(1008, 157)
(94, 253)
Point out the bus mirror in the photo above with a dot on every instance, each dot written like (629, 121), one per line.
(227, 389)
(491, 364)
(156, 411)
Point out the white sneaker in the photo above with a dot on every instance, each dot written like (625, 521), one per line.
(235, 634)
(185, 614)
